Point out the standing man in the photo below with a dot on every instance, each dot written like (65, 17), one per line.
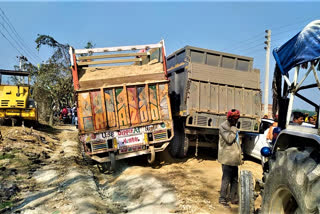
(229, 156)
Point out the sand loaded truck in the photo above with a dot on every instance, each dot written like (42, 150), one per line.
(123, 101)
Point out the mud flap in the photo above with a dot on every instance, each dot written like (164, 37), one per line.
(112, 161)
(152, 155)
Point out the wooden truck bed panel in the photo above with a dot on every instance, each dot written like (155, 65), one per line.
(122, 107)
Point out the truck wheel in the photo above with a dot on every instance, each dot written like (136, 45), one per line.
(175, 144)
(293, 182)
(152, 155)
(184, 146)
(246, 192)
(112, 161)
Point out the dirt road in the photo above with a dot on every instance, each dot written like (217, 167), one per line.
(62, 182)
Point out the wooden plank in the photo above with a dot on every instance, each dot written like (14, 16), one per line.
(153, 102)
(127, 104)
(121, 101)
(143, 103)
(110, 61)
(133, 105)
(85, 112)
(97, 110)
(115, 106)
(113, 56)
(163, 102)
(120, 48)
(103, 103)
(110, 107)
(158, 100)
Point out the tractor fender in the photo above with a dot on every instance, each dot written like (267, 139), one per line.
(289, 138)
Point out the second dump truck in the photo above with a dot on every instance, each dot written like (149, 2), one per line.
(123, 101)
(204, 85)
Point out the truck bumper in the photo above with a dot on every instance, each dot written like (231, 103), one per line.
(128, 155)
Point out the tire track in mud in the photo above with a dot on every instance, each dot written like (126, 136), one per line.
(65, 184)
(68, 184)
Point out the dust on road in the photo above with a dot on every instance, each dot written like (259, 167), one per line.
(54, 178)
(195, 182)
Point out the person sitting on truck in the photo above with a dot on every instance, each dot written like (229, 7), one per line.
(229, 155)
(298, 118)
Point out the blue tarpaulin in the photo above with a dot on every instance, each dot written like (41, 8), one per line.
(303, 47)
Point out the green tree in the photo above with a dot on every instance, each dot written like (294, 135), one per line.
(53, 86)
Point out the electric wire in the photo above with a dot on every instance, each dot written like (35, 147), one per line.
(12, 28)
(15, 41)
(254, 39)
(16, 34)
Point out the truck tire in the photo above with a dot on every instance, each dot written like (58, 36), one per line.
(184, 146)
(246, 193)
(293, 182)
(175, 145)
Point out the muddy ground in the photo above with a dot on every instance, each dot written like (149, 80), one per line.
(43, 171)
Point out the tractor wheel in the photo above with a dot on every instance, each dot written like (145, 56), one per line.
(293, 182)
(246, 192)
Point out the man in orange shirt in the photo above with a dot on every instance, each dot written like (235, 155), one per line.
(270, 132)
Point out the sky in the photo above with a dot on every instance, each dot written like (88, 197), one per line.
(235, 27)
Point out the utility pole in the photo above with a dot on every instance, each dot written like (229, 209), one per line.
(266, 81)
(22, 60)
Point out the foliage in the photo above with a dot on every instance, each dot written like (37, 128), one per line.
(5, 204)
(6, 156)
(52, 86)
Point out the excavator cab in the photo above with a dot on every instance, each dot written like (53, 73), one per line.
(15, 102)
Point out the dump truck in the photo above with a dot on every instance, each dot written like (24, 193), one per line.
(15, 100)
(123, 101)
(291, 169)
(204, 85)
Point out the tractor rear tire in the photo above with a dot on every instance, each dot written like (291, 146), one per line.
(293, 182)
(246, 192)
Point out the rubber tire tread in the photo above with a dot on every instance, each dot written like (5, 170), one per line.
(184, 141)
(298, 171)
(175, 145)
(246, 192)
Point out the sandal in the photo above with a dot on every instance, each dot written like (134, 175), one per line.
(224, 203)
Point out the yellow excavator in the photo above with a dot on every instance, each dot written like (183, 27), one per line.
(15, 102)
